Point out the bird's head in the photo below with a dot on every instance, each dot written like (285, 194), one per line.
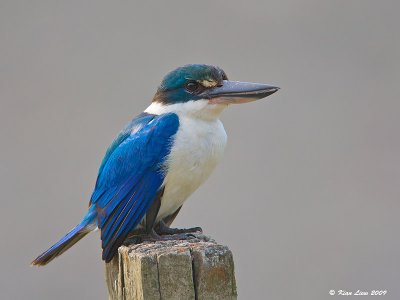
(203, 87)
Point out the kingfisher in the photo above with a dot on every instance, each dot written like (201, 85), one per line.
(160, 158)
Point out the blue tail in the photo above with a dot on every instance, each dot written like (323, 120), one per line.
(67, 241)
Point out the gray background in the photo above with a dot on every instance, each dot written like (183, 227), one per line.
(307, 196)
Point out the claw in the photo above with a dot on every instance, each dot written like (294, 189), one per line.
(154, 236)
(164, 229)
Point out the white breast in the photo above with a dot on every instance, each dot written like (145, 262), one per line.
(197, 148)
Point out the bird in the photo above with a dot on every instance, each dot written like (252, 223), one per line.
(160, 158)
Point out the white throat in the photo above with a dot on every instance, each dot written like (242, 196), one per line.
(201, 109)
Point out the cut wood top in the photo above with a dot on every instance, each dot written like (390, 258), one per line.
(196, 267)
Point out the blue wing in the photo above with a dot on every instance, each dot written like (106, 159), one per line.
(130, 176)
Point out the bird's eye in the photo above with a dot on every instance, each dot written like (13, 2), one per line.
(192, 86)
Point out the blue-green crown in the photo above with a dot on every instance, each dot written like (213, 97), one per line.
(186, 83)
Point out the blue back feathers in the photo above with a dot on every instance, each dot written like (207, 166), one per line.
(130, 176)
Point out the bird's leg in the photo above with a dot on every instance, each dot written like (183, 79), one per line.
(151, 214)
(170, 218)
(163, 228)
(158, 232)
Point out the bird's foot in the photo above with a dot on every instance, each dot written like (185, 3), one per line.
(163, 229)
(154, 236)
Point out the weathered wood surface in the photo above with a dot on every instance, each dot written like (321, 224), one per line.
(195, 268)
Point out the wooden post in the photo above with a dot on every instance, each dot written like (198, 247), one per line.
(194, 268)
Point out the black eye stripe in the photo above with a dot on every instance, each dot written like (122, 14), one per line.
(193, 86)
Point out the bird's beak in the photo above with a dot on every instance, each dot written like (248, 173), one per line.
(233, 92)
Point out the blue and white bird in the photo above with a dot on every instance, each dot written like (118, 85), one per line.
(160, 158)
